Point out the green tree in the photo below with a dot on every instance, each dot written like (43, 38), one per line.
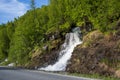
(32, 5)
(4, 43)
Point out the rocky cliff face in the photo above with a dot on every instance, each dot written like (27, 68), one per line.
(99, 53)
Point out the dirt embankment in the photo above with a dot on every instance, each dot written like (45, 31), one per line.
(99, 54)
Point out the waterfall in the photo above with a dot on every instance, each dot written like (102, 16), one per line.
(71, 41)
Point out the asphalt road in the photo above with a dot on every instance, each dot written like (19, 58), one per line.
(19, 74)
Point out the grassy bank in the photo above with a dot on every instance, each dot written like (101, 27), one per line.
(95, 76)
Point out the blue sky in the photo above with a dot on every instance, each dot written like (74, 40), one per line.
(10, 9)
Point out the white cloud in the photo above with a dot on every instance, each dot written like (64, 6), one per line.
(12, 8)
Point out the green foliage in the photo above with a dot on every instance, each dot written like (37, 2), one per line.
(18, 38)
(10, 29)
(64, 27)
(4, 43)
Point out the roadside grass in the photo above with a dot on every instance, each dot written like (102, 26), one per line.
(94, 76)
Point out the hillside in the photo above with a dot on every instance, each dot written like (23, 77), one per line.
(34, 39)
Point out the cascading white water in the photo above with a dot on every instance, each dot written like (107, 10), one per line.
(71, 41)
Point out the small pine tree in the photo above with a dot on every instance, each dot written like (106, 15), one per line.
(32, 4)
(33, 8)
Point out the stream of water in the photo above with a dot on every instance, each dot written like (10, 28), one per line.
(71, 41)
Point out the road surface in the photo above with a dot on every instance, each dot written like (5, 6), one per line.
(19, 74)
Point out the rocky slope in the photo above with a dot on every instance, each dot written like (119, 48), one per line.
(99, 54)
(47, 54)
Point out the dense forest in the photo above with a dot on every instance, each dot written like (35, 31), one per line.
(20, 37)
